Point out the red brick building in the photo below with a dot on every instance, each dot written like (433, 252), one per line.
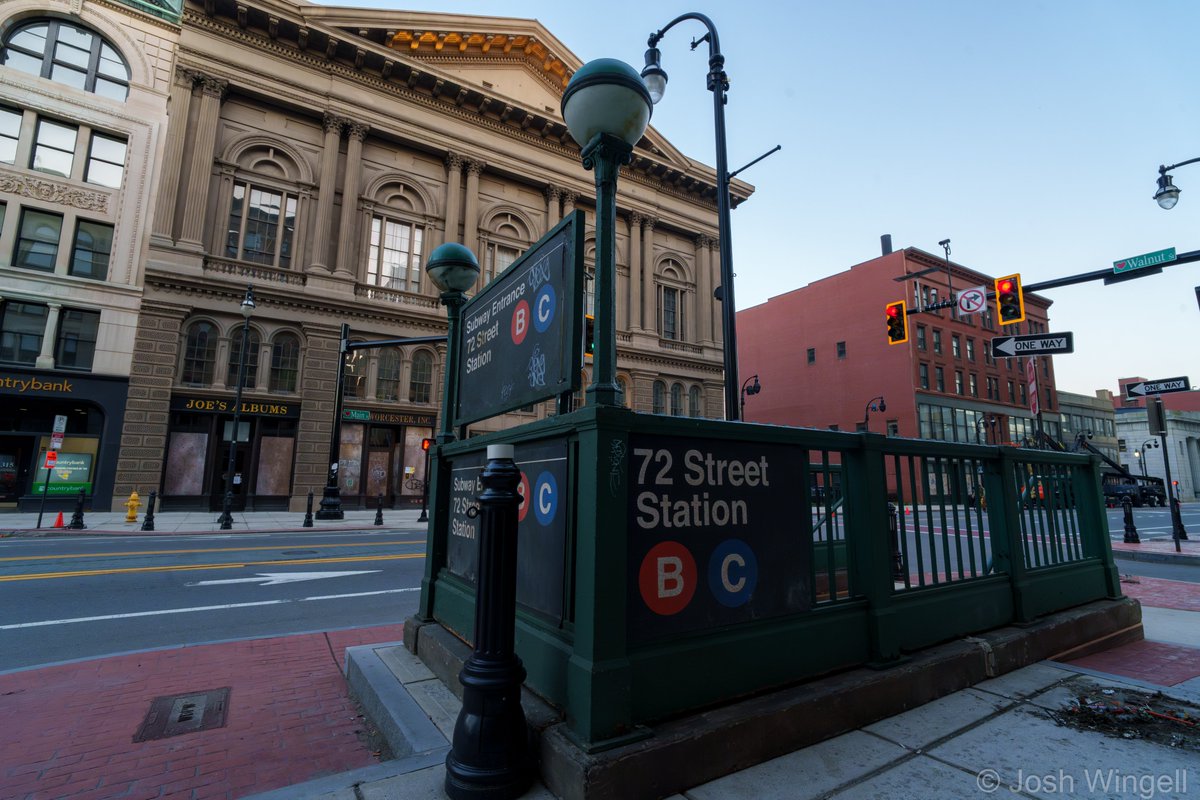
(821, 355)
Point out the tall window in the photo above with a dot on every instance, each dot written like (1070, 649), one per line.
(54, 148)
(10, 133)
(921, 345)
(841, 349)
(499, 257)
(354, 379)
(937, 340)
(395, 255)
(75, 347)
(37, 240)
(670, 313)
(974, 383)
(940, 379)
(106, 160)
(812, 355)
(958, 381)
(677, 400)
(924, 373)
(285, 363)
(68, 54)
(420, 382)
(956, 346)
(659, 398)
(21, 330)
(387, 384)
(694, 409)
(93, 245)
(199, 354)
(970, 349)
(235, 358)
(262, 225)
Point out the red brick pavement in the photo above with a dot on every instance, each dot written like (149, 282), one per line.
(1156, 662)
(1161, 592)
(68, 730)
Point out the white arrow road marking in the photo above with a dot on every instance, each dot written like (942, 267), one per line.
(274, 578)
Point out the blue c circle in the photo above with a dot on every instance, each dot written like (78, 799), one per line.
(543, 308)
(545, 498)
(732, 573)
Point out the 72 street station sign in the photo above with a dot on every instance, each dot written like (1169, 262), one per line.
(1164, 386)
(1034, 344)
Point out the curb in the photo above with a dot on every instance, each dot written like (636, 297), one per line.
(1159, 558)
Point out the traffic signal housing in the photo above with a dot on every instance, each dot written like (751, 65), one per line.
(1010, 300)
(897, 322)
(426, 444)
(589, 336)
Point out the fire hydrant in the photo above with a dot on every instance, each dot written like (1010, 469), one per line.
(133, 504)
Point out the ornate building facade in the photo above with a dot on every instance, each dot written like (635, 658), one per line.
(319, 155)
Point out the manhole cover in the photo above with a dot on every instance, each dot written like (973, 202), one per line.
(299, 552)
(184, 713)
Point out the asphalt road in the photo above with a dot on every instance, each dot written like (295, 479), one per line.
(70, 598)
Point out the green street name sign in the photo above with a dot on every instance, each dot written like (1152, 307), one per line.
(355, 414)
(1144, 260)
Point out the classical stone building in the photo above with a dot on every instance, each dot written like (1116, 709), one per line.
(318, 155)
(83, 114)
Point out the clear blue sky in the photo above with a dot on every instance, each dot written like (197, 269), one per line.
(1029, 133)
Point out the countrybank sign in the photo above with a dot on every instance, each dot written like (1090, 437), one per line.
(1155, 259)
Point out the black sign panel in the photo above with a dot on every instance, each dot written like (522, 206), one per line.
(1033, 344)
(521, 336)
(1163, 386)
(716, 535)
(541, 527)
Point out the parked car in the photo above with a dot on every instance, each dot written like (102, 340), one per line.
(1119, 487)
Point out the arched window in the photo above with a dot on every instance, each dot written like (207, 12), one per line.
(395, 256)
(285, 363)
(508, 236)
(677, 400)
(235, 358)
(671, 293)
(262, 225)
(660, 398)
(354, 378)
(420, 381)
(387, 387)
(199, 354)
(70, 54)
(694, 401)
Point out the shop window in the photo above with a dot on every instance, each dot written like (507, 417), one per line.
(37, 240)
(69, 54)
(199, 354)
(253, 345)
(677, 400)
(395, 255)
(106, 161)
(21, 331)
(387, 384)
(10, 133)
(659, 398)
(420, 383)
(93, 246)
(262, 225)
(354, 378)
(694, 401)
(75, 346)
(285, 363)
(54, 148)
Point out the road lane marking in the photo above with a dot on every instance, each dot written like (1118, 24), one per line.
(276, 578)
(199, 550)
(132, 614)
(185, 567)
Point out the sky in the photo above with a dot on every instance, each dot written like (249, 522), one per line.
(1028, 133)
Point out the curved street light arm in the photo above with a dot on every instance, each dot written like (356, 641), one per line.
(1163, 170)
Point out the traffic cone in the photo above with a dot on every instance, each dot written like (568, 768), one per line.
(908, 511)
(58, 523)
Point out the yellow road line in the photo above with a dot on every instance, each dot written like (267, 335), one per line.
(207, 550)
(185, 567)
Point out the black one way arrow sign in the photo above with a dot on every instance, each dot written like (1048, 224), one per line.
(1034, 344)
(1165, 386)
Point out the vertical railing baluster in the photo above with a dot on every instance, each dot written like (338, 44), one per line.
(901, 524)
(916, 518)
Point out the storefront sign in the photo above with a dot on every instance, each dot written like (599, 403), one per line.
(69, 473)
(216, 405)
(20, 384)
(715, 535)
(388, 417)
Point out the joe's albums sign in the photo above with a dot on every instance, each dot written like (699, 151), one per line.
(217, 405)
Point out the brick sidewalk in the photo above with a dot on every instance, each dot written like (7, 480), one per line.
(68, 730)
(1162, 592)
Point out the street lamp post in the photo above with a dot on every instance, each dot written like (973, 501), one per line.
(1146, 445)
(453, 268)
(872, 406)
(606, 107)
(226, 518)
(1167, 194)
(718, 83)
(754, 388)
(331, 499)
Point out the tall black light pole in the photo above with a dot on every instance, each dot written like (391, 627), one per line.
(872, 405)
(1146, 445)
(748, 388)
(453, 268)
(331, 500)
(718, 84)
(226, 518)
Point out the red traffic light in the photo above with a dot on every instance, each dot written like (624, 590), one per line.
(426, 444)
(893, 311)
(1005, 286)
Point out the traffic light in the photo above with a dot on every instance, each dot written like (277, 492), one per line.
(1010, 300)
(589, 336)
(897, 322)
(426, 444)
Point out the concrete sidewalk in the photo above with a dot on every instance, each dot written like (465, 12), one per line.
(108, 523)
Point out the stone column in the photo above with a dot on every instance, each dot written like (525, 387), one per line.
(191, 234)
(649, 300)
(471, 214)
(322, 225)
(704, 288)
(347, 251)
(454, 165)
(553, 197)
(45, 359)
(635, 272)
(569, 197)
(177, 128)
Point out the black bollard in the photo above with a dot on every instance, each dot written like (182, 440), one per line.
(379, 512)
(1131, 534)
(148, 522)
(490, 755)
(308, 513)
(1177, 529)
(898, 571)
(76, 522)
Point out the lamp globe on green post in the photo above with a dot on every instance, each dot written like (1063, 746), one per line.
(606, 107)
(453, 268)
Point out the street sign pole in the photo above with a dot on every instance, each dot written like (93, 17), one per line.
(48, 463)
(1177, 529)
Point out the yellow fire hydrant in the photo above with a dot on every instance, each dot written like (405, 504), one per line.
(133, 504)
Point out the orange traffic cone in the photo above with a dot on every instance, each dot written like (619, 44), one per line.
(908, 510)
(58, 523)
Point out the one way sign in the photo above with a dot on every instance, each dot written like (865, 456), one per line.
(1034, 344)
(1165, 386)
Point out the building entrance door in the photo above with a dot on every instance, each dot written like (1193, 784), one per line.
(239, 485)
(378, 479)
(15, 452)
